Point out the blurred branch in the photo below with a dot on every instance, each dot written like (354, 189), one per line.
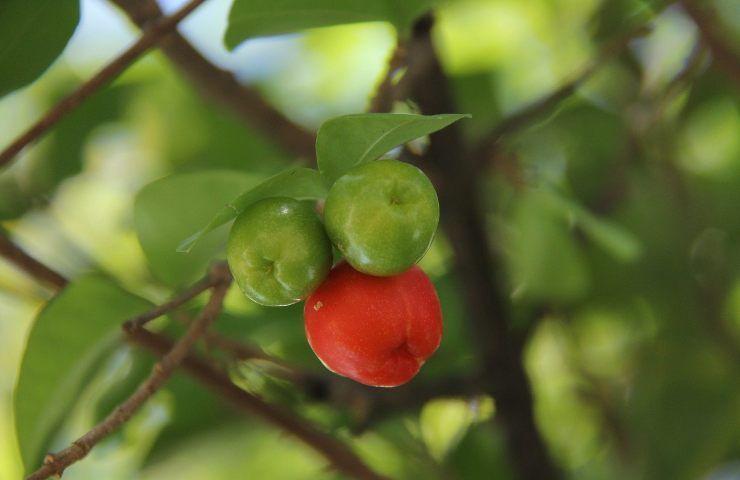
(384, 95)
(337, 453)
(55, 464)
(148, 39)
(367, 404)
(381, 403)
(706, 20)
(221, 85)
(523, 118)
(453, 169)
(35, 269)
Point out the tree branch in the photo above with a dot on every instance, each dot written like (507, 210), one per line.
(482, 153)
(367, 404)
(338, 454)
(35, 269)
(221, 85)
(726, 59)
(453, 169)
(150, 38)
(55, 464)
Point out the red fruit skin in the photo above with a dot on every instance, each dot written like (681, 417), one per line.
(378, 331)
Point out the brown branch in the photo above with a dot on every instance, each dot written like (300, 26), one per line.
(453, 169)
(221, 85)
(385, 93)
(337, 453)
(530, 113)
(726, 59)
(35, 269)
(55, 464)
(150, 38)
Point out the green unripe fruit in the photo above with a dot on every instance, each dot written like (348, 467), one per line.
(382, 216)
(278, 251)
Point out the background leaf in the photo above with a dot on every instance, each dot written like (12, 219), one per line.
(620, 243)
(299, 183)
(350, 140)
(545, 261)
(444, 422)
(170, 209)
(249, 18)
(68, 338)
(32, 35)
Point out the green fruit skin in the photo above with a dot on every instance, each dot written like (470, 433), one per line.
(278, 251)
(382, 216)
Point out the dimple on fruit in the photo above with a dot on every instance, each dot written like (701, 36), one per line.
(378, 331)
(382, 216)
(278, 251)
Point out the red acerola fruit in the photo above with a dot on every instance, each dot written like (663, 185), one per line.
(378, 331)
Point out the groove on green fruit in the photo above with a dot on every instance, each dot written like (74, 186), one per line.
(382, 216)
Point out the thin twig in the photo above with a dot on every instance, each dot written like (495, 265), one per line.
(55, 464)
(221, 85)
(215, 276)
(157, 31)
(385, 93)
(726, 59)
(528, 114)
(37, 270)
(337, 453)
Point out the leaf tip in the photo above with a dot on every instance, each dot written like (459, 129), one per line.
(187, 245)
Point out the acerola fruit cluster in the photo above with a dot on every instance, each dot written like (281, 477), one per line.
(374, 318)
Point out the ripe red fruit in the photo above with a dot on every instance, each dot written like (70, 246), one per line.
(375, 330)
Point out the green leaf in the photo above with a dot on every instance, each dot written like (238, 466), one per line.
(445, 421)
(481, 455)
(254, 18)
(350, 140)
(614, 18)
(66, 342)
(620, 243)
(168, 210)
(300, 183)
(545, 261)
(13, 200)
(32, 35)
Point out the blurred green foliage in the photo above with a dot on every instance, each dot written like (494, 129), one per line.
(31, 37)
(616, 213)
